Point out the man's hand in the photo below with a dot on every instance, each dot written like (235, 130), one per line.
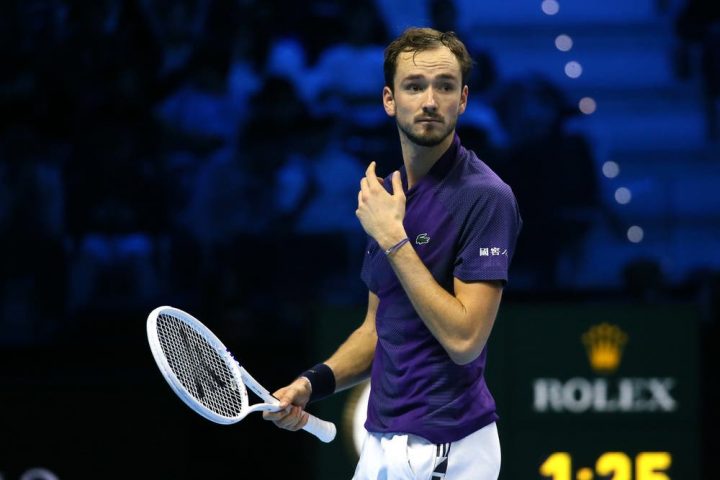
(381, 213)
(293, 399)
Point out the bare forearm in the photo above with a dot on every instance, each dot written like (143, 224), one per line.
(351, 362)
(461, 325)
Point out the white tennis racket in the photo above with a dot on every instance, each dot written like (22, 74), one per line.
(205, 375)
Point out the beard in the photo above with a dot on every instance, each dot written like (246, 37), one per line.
(428, 137)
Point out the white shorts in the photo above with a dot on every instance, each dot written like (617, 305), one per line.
(409, 457)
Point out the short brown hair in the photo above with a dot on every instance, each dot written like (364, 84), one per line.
(420, 39)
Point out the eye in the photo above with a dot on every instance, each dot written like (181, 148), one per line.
(413, 87)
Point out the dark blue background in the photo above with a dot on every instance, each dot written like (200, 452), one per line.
(206, 154)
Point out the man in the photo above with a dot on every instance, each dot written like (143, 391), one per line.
(442, 233)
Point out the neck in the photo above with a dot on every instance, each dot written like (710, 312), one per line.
(419, 160)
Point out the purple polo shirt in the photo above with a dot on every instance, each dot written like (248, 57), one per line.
(463, 221)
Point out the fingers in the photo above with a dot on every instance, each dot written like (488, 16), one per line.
(364, 184)
(372, 177)
(292, 418)
(367, 182)
(370, 172)
(291, 400)
(282, 412)
(397, 183)
(286, 397)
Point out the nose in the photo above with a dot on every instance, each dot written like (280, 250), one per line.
(429, 104)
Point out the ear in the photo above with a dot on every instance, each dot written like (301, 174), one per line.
(463, 100)
(388, 101)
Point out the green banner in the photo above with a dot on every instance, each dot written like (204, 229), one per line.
(597, 391)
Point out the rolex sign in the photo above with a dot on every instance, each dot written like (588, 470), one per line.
(591, 391)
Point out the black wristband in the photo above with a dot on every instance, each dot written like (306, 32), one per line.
(322, 381)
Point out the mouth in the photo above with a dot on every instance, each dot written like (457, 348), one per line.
(429, 120)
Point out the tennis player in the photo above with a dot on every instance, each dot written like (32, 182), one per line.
(442, 231)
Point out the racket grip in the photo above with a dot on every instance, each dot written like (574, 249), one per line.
(322, 429)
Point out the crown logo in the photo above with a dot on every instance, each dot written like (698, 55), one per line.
(604, 345)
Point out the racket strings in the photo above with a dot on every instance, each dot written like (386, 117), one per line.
(203, 372)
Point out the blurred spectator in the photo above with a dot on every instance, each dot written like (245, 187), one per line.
(32, 253)
(319, 183)
(287, 58)
(316, 25)
(210, 97)
(444, 17)
(107, 69)
(116, 190)
(277, 113)
(179, 27)
(235, 214)
(698, 28)
(479, 127)
(397, 16)
(552, 173)
(644, 280)
(117, 207)
(343, 22)
(328, 88)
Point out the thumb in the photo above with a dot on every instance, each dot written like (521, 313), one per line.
(284, 398)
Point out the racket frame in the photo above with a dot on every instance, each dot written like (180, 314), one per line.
(239, 374)
(323, 430)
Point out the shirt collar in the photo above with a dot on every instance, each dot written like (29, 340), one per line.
(439, 169)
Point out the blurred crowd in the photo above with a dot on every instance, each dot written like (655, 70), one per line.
(207, 154)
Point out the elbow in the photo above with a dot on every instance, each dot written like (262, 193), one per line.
(462, 358)
(464, 352)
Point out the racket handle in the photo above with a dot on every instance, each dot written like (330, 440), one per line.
(323, 430)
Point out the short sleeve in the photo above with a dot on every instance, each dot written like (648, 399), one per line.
(488, 236)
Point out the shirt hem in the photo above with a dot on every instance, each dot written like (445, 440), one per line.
(447, 436)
